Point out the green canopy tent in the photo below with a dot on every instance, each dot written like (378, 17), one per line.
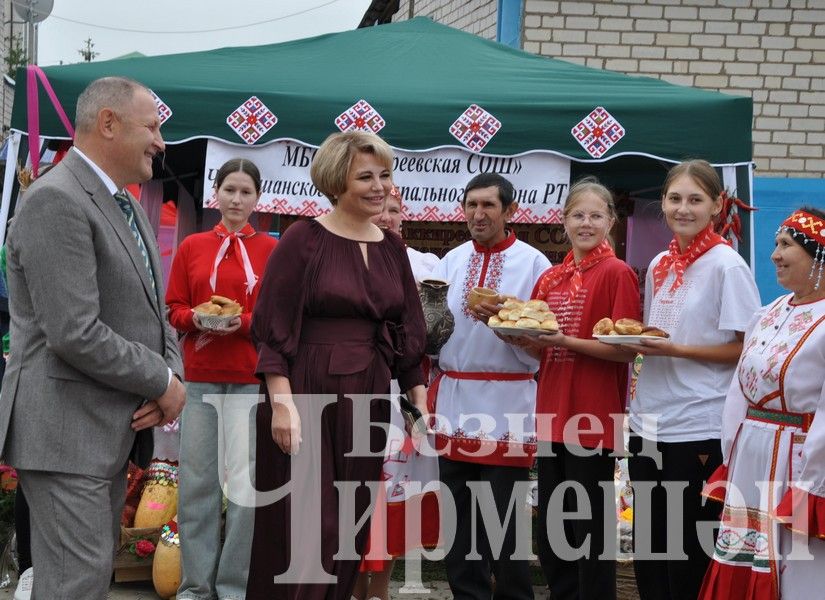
(420, 76)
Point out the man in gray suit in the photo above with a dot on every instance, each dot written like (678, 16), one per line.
(93, 360)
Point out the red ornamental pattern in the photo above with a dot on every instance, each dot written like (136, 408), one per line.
(251, 120)
(439, 214)
(475, 128)
(598, 132)
(164, 112)
(492, 279)
(360, 116)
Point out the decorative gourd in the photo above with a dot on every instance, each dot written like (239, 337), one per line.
(166, 565)
(159, 500)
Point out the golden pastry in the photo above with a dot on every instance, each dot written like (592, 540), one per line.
(603, 327)
(525, 323)
(628, 327)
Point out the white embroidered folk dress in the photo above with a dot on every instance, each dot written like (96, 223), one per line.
(770, 435)
(483, 417)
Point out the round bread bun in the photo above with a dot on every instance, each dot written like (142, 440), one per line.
(603, 327)
(539, 305)
(516, 313)
(207, 308)
(222, 300)
(655, 331)
(549, 325)
(494, 321)
(528, 324)
(504, 314)
(628, 327)
(508, 324)
(532, 313)
(513, 303)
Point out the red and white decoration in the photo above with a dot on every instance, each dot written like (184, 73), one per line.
(360, 116)
(251, 120)
(164, 112)
(475, 128)
(598, 132)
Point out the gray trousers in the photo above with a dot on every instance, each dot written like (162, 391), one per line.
(212, 450)
(75, 531)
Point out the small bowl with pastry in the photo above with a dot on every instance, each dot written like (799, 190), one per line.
(625, 331)
(217, 313)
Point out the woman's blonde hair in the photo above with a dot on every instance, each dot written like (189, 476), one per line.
(592, 185)
(332, 162)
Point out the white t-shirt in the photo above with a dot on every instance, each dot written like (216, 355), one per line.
(717, 299)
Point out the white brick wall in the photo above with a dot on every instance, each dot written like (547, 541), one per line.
(770, 50)
(473, 16)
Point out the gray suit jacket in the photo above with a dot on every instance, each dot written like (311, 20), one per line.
(89, 338)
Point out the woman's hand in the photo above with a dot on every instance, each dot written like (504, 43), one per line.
(653, 347)
(286, 424)
(417, 396)
(231, 327)
(550, 340)
(197, 322)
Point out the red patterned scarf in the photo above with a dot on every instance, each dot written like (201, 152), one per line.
(222, 232)
(568, 269)
(680, 261)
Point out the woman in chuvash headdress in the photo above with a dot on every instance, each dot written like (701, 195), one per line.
(772, 479)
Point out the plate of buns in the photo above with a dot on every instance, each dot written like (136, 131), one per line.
(217, 313)
(524, 318)
(625, 331)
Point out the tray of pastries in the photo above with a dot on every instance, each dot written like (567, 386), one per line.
(625, 331)
(524, 318)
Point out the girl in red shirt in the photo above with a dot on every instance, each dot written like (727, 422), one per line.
(221, 387)
(581, 396)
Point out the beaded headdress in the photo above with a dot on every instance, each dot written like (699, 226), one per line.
(809, 231)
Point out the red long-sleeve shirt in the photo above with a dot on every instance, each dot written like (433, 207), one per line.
(208, 357)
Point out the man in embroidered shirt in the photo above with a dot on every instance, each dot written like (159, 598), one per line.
(485, 399)
(92, 355)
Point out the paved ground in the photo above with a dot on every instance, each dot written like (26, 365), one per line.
(439, 590)
(145, 591)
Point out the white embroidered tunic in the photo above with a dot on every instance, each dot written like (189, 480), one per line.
(773, 431)
(486, 419)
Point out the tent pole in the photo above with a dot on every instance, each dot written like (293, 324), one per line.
(12, 151)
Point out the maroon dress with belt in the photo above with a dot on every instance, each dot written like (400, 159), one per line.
(331, 324)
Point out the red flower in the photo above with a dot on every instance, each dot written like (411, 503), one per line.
(144, 548)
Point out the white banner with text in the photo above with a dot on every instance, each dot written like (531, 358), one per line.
(432, 183)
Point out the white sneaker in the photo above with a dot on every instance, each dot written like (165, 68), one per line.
(24, 585)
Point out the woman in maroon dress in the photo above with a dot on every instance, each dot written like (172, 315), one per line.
(339, 315)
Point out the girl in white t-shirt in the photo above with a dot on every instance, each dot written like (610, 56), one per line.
(703, 294)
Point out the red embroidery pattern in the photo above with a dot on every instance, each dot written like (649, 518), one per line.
(471, 280)
(494, 270)
(492, 275)
(801, 322)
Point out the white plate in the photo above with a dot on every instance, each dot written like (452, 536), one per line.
(625, 339)
(522, 332)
